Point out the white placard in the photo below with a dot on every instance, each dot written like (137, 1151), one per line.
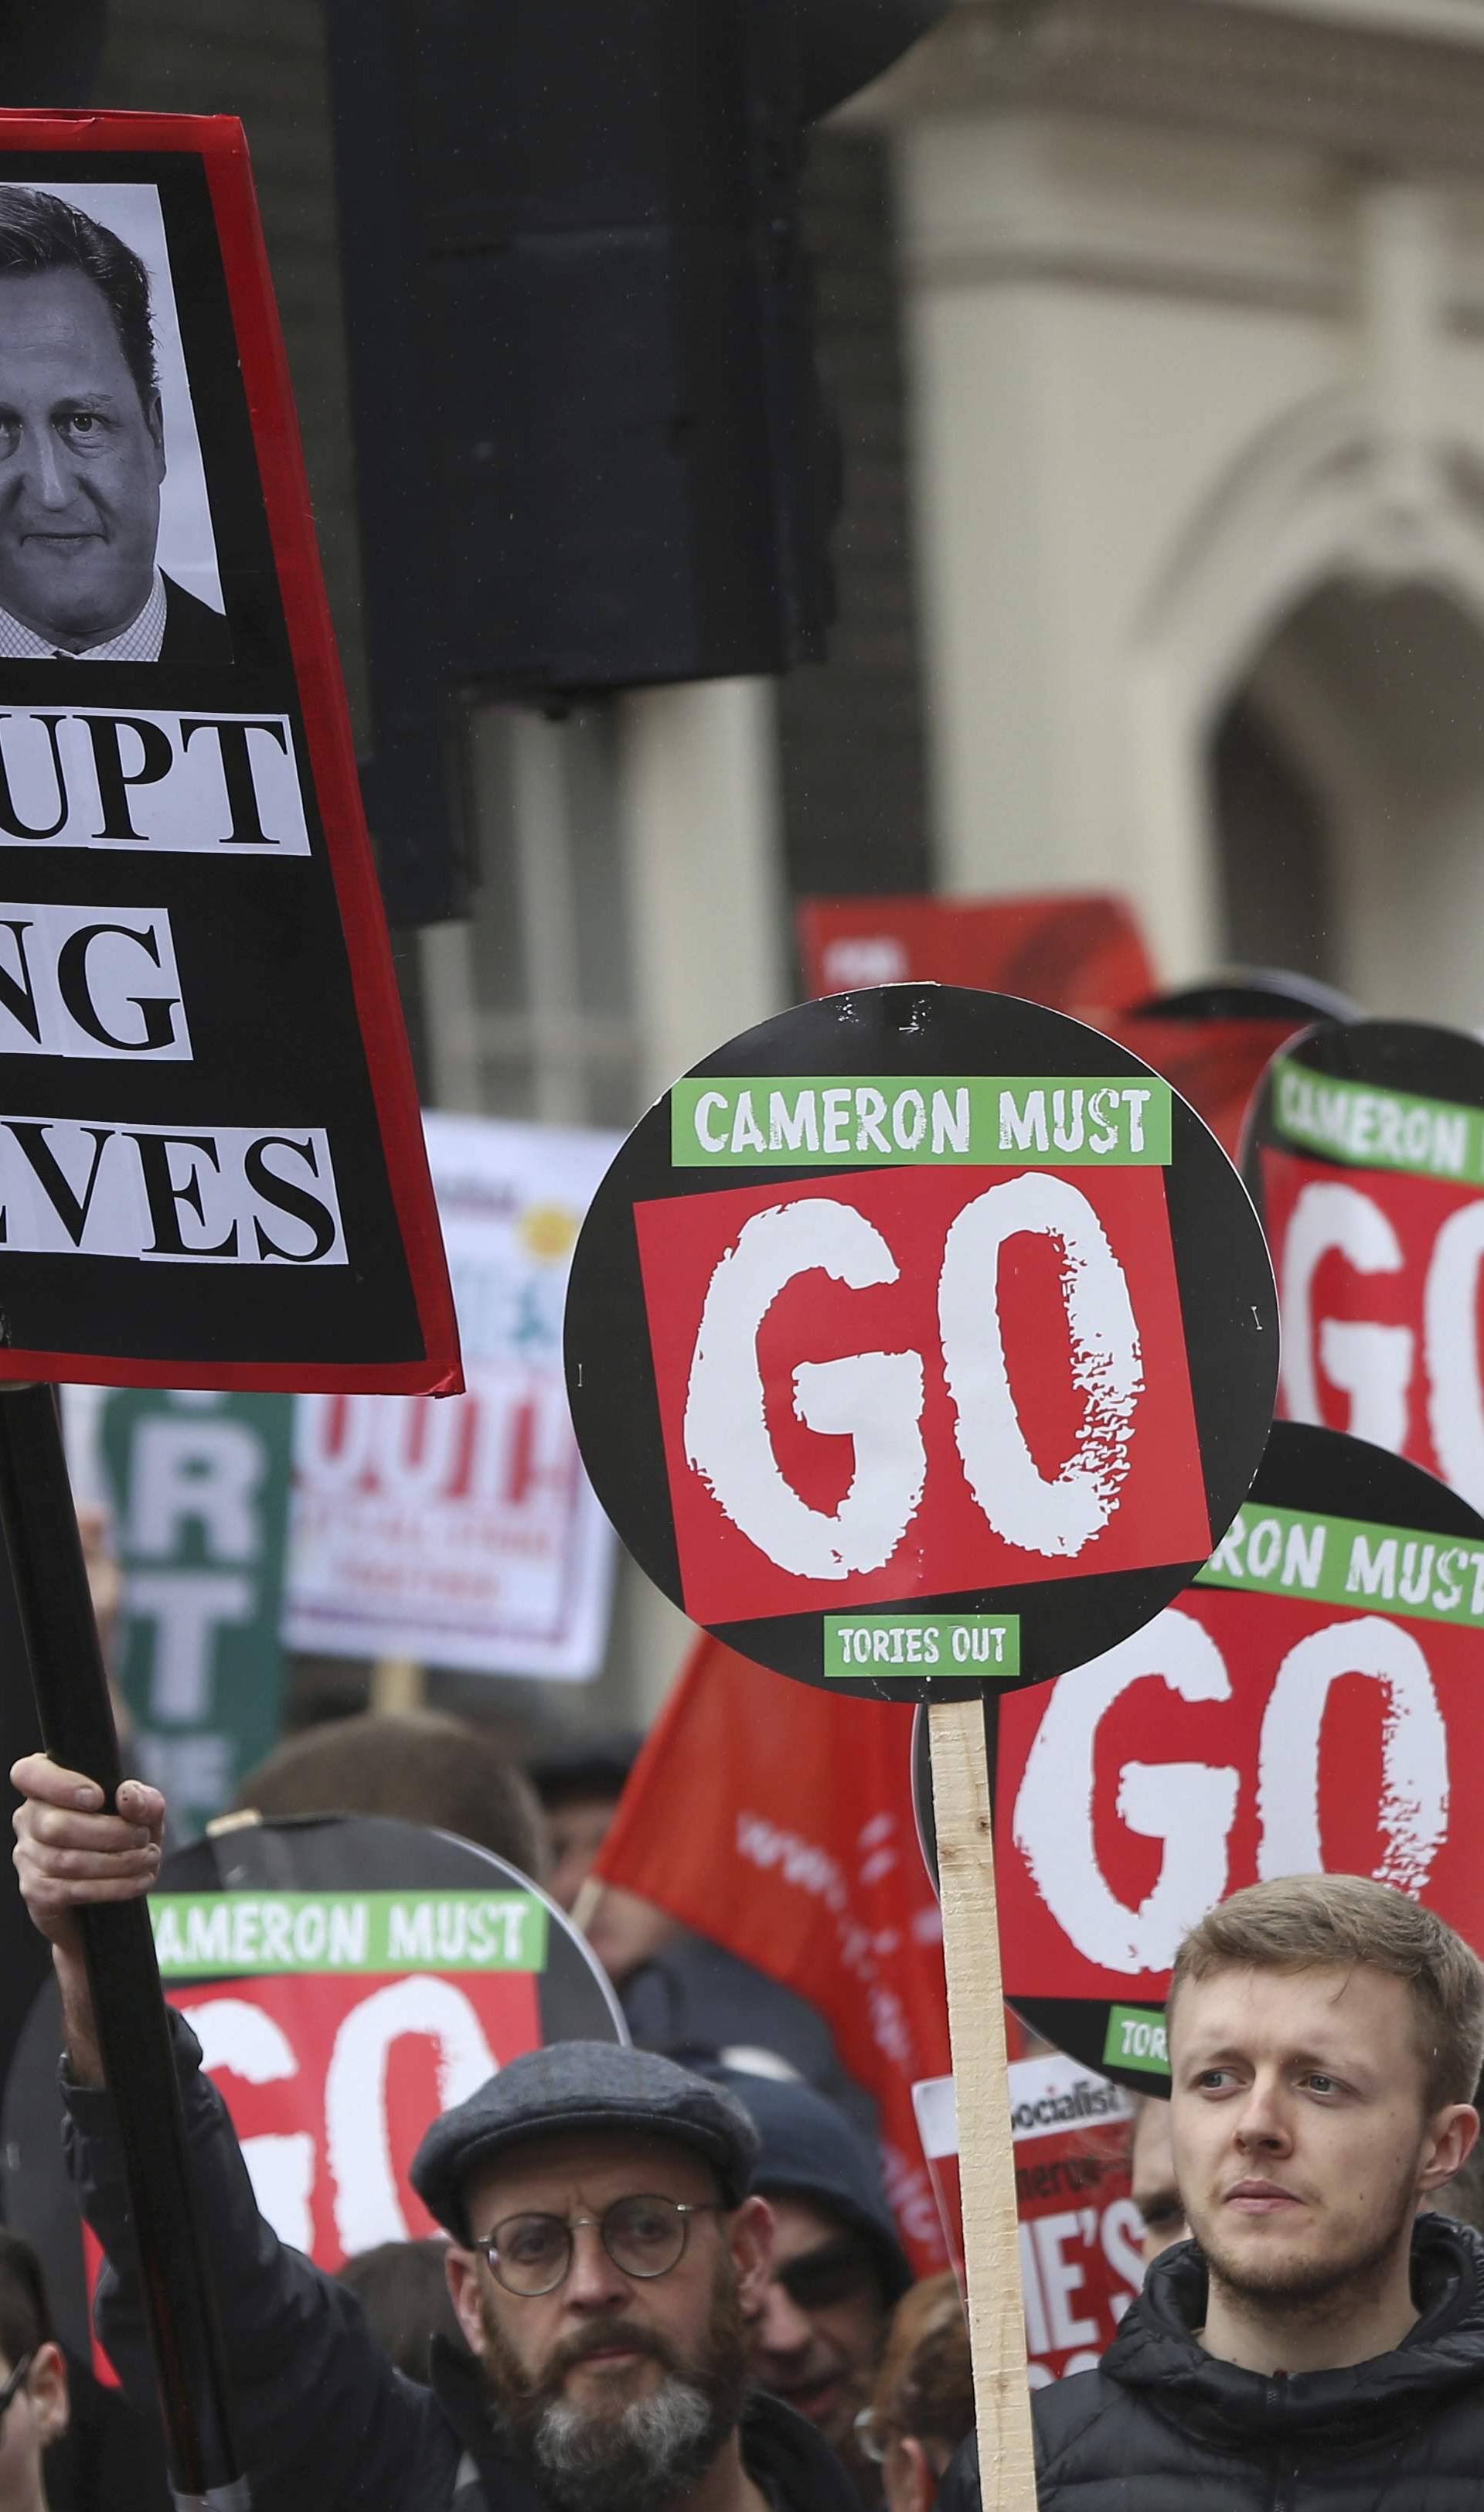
(463, 1532)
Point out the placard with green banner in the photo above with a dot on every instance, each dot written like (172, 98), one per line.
(199, 1488)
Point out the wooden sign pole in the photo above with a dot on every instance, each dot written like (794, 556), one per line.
(982, 2091)
(177, 2279)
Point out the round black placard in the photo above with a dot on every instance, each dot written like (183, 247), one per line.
(299, 1854)
(1315, 1473)
(712, 1270)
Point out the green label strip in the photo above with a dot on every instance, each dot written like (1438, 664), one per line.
(1136, 2038)
(988, 1121)
(883, 1645)
(1343, 1561)
(205, 1935)
(1376, 1129)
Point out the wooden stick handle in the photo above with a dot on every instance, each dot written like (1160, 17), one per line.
(982, 2091)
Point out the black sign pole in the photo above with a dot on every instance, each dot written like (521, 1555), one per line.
(76, 1718)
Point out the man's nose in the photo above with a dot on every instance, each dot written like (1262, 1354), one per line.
(1262, 2120)
(781, 2328)
(593, 2281)
(46, 478)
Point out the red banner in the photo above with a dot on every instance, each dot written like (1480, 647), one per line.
(777, 1820)
(1224, 1743)
(1079, 950)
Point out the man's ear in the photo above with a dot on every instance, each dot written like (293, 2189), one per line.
(461, 2268)
(913, 2479)
(752, 2249)
(47, 2384)
(1455, 2132)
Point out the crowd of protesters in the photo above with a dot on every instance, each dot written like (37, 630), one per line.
(668, 2276)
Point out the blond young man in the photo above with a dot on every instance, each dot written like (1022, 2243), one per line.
(1319, 2344)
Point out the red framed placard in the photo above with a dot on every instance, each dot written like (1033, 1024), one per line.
(224, 1186)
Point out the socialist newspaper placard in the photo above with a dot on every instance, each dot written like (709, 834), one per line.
(1080, 2262)
(466, 1534)
(211, 1171)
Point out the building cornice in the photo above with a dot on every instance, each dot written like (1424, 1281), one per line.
(1339, 80)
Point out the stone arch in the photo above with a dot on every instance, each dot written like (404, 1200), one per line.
(1316, 517)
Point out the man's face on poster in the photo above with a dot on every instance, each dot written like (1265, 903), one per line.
(81, 462)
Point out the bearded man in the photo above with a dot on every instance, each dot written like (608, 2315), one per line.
(604, 2261)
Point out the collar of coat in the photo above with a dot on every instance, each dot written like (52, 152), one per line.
(1156, 2351)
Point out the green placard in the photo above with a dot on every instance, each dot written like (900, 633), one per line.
(1376, 1129)
(199, 1936)
(1394, 1570)
(980, 1645)
(1136, 2038)
(891, 1121)
(199, 1490)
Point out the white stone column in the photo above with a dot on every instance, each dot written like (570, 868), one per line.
(698, 797)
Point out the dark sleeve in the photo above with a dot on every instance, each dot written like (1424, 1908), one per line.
(961, 2487)
(325, 2424)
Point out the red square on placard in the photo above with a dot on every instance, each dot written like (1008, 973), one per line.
(1391, 1222)
(949, 1546)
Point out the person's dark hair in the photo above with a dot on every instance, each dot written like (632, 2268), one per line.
(25, 2316)
(402, 2289)
(38, 233)
(422, 1766)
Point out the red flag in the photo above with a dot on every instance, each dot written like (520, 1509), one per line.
(1079, 950)
(777, 1820)
(1214, 1064)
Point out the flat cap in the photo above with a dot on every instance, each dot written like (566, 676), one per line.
(577, 2087)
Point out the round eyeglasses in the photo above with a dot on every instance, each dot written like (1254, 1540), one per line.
(645, 2237)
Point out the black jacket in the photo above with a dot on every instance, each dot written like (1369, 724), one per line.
(325, 2424)
(194, 632)
(1161, 2426)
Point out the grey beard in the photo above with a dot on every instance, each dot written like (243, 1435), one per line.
(642, 2460)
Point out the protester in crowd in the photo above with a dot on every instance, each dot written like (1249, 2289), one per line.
(33, 2381)
(605, 2258)
(924, 2394)
(420, 1766)
(1151, 2173)
(837, 2266)
(402, 2289)
(680, 1992)
(580, 1785)
(1157, 2199)
(1320, 2341)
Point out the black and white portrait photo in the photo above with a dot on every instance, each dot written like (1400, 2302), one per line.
(106, 551)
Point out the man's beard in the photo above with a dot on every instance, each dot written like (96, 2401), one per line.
(1309, 2288)
(585, 2459)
